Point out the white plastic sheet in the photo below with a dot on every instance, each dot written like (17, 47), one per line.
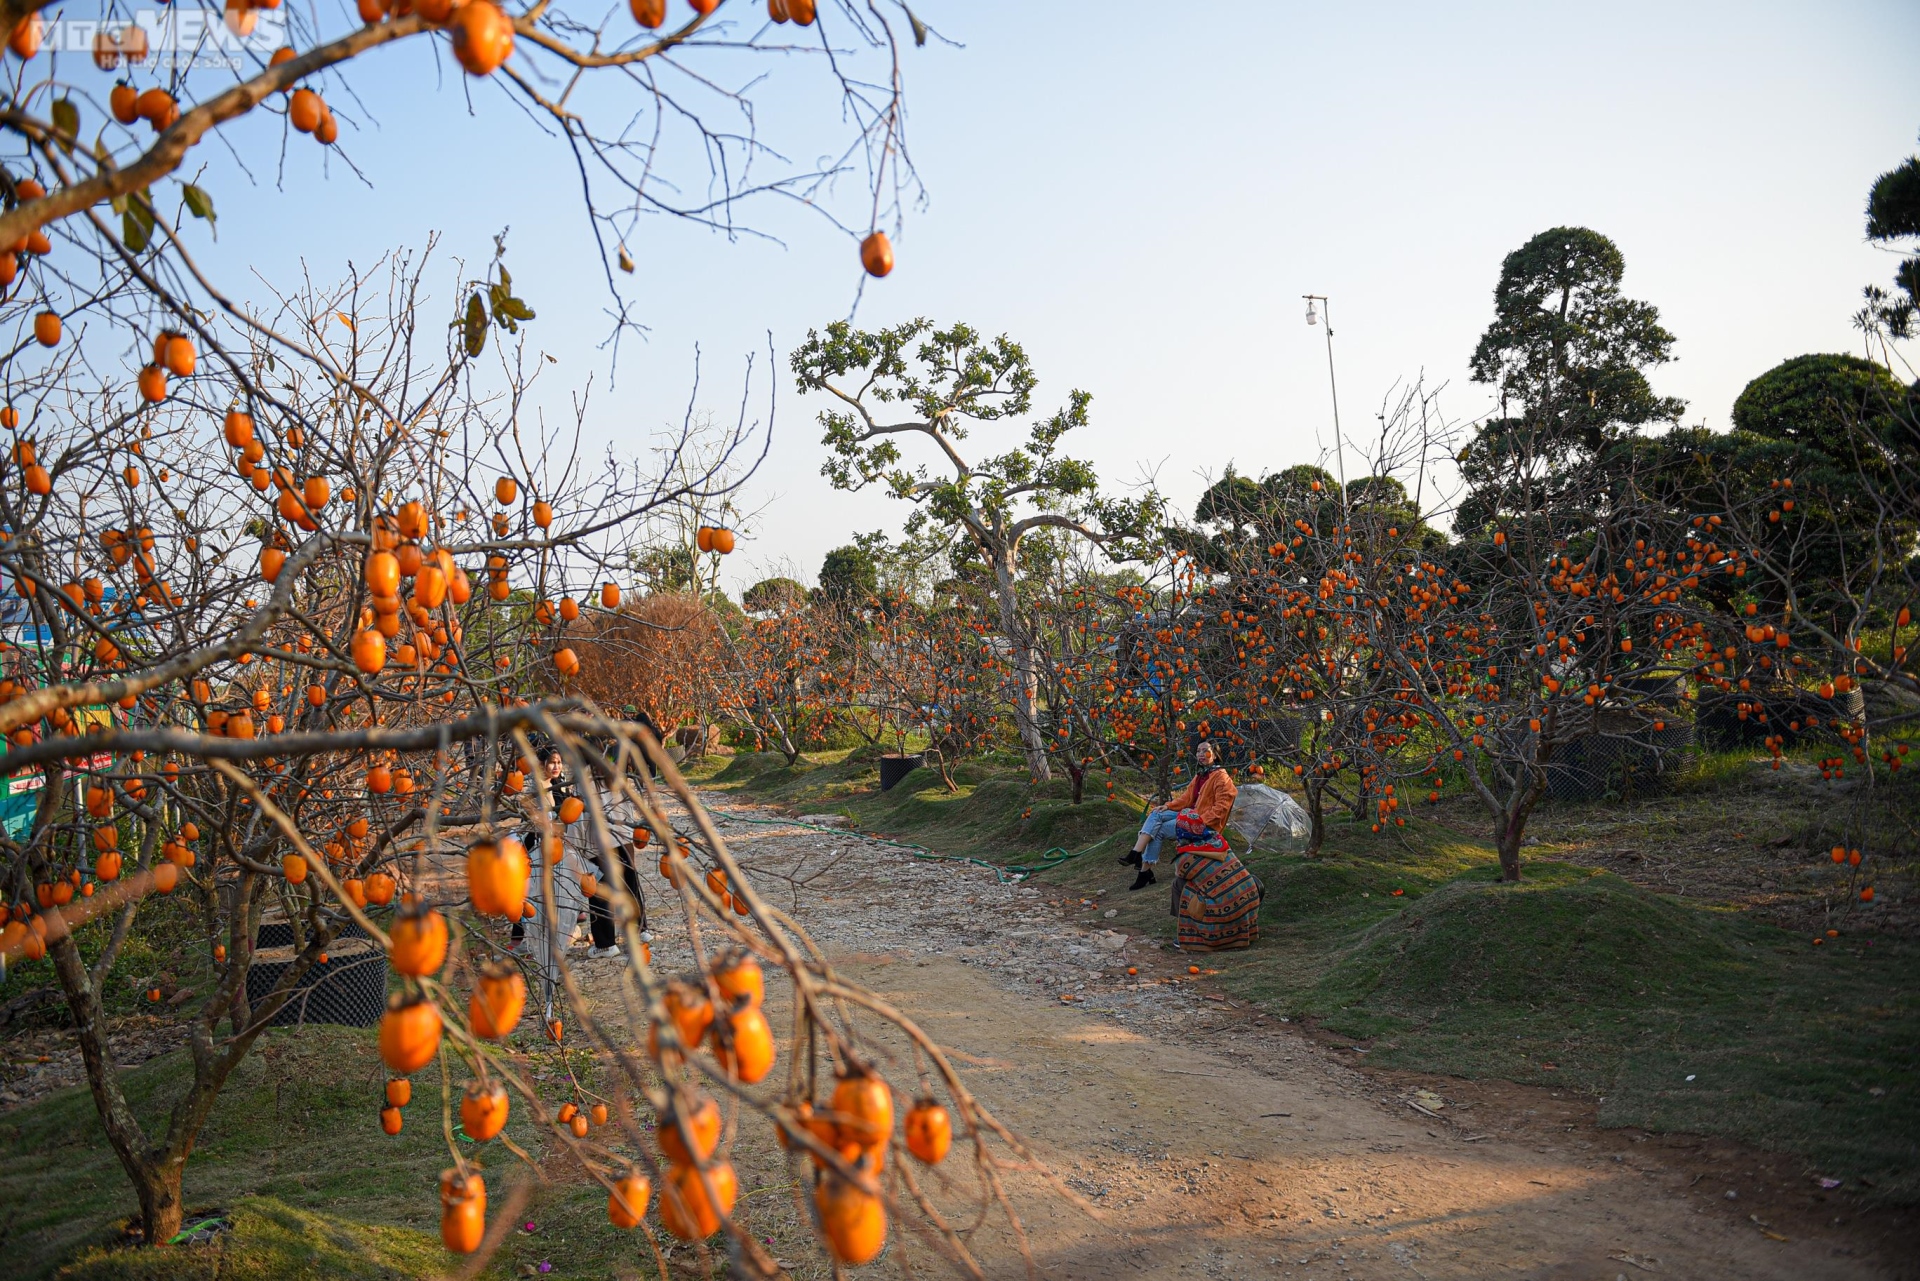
(1266, 816)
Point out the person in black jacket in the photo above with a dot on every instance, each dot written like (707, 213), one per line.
(621, 861)
(558, 790)
(639, 717)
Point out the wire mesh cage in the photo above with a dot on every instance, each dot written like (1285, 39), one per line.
(1619, 766)
(349, 988)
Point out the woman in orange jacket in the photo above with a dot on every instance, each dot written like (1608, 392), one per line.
(1210, 793)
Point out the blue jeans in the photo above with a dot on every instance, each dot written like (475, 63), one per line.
(1157, 827)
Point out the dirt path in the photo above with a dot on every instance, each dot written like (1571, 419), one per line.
(1220, 1142)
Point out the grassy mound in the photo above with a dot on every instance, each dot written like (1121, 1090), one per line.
(1677, 1016)
(744, 766)
(1000, 819)
(1563, 936)
(298, 1121)
(272, 1241)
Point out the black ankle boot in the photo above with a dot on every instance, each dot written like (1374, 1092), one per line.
(1130, 859)
(1143, 880)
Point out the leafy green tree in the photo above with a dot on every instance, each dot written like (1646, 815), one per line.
(1567, 352)
(1838, 408)
(770, 595)
(1230, 517)
(1834, 423)
(849, 574)
(1384, 492)
(1233, 504)
(1299, 487)
(915, 384)
(665, 569)
(1893, 215)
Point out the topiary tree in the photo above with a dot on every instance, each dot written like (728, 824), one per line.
(1232, 505)
(849, 575)
(1838, 408)
(772, 595)
(1567, 353)
(1833, 424)
(1893, 217)
(942, 383)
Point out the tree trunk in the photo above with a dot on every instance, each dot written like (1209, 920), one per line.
(1079, 777)
(1026, 714)
(155, 1183)
(1026, 680)
(1523, 795)
(1509, 846)
(787, 747)
(161, 1211)
(1316, 816)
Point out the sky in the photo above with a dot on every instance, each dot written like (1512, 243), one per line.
(1141, 193)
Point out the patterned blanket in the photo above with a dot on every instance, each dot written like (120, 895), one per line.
(1216, 897)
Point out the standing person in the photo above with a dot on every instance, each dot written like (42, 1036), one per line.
(639, 717)
(566, 881)
(615, 859)
(1210, 793)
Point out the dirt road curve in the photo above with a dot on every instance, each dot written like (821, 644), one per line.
(1217, 1142)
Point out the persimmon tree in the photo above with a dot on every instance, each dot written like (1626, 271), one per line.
(1818, 484)
(780, 676)
(303, 608)
(1289, 674)
(1567, 624)
(216, 574)
(665, 653)
(1122, 679)
(1828, 527)
(917, 384)
(1092, 690)
(940, 670)
(1832, 537)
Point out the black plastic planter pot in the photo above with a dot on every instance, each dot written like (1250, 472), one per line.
(1636, 764)
(349, 988)
(895, 768)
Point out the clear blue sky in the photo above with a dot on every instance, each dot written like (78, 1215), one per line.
(1141, 192)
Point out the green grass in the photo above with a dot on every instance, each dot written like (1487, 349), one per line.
(294, 1153)
(164, 947)
(272, 1241)
(1574, 978)
(996, 813)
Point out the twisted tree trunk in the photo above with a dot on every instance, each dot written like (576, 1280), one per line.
(1316, 790)
(1026, 679)
(156, 1180)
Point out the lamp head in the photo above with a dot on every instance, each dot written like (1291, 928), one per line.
(1313, 317)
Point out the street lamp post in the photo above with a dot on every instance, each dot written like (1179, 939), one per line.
(1339, 442)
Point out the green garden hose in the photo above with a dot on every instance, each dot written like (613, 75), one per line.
(1051, 859)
